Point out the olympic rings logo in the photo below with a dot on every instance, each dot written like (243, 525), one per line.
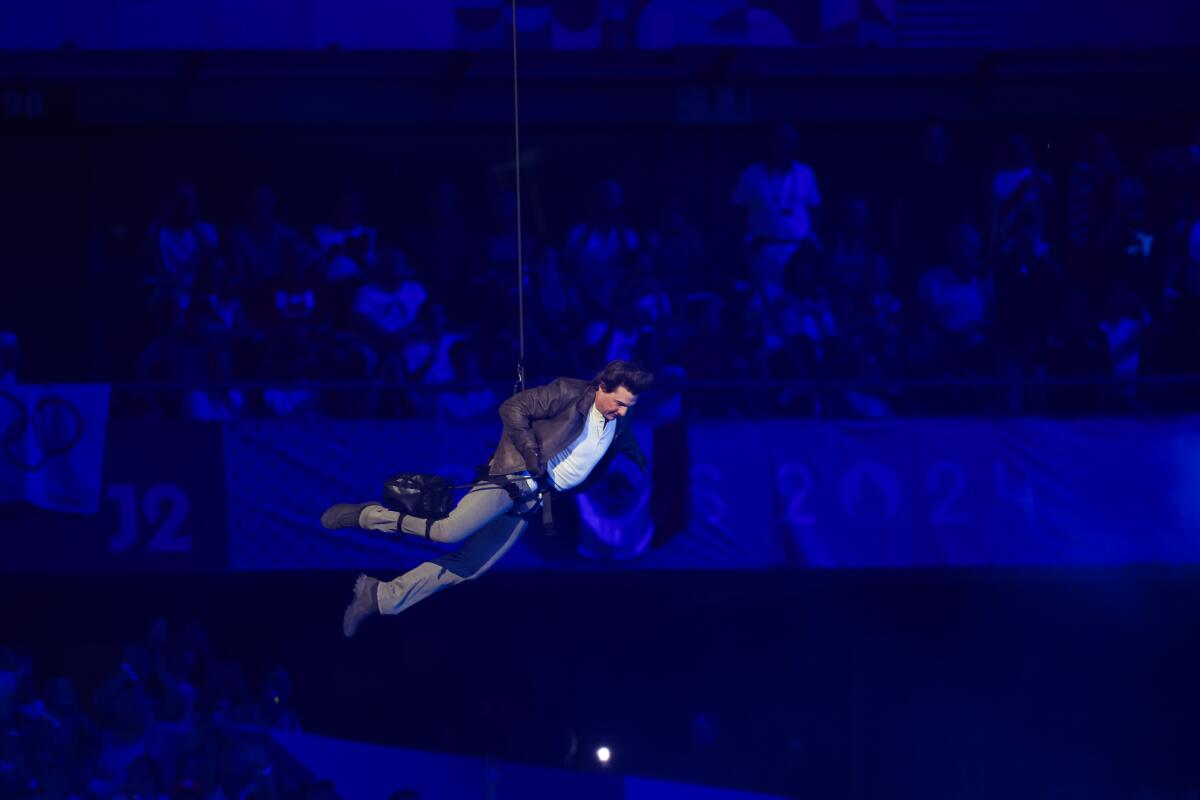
(55, 423)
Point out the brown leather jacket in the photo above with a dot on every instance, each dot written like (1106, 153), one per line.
(541, 422)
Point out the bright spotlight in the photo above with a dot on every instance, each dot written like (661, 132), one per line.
(603, 755)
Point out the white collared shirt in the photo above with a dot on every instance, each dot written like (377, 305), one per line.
(575, 462)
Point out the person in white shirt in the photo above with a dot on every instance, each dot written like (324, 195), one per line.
(780, 196)
(556, 438)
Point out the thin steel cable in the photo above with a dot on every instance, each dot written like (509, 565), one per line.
(520, 385)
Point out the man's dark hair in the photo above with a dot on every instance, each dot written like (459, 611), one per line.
(623, 373)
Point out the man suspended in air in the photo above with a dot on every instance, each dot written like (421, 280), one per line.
(556, 437)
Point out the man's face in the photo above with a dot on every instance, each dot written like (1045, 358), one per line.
(615, 403)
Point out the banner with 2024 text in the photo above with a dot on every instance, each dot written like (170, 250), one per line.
(717, 495)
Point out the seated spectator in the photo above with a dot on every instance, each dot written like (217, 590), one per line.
(446, 246)
(427, 350)
(182, 242)
(292, 316)
(497, 279)
(473, 399)
(957, 299)
(176, 356)
(780, 196)
(600, 248)
(347, 244)
(795, 326)
(1123, 322)
(260, 240)
(677, 250)
(853, 259)
(706, 351)
(638, 325)
(389, 302)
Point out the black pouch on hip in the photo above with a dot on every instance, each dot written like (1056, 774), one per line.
(418, 495)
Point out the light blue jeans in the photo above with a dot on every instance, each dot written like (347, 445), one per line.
(481, 521)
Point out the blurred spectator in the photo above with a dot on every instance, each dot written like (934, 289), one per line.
(854, 261)
(792, 331)
(445, 247)
(274, 710)
(935, 189)
(8, 358)
(177, 356)
(1032, 318)
(957, 300)
(143, 741)
(1183, 252)
(638, 325)
(677, 249)
(1091, 211)
(183, 242)
(388, 304)
(292, 316)
(1136, 260)
(347, 244)
(1178, 328)
(551, 331)
(707, 352)
(427, 351)
(1021, 194)
(779, 195)
(261, 242)
(473, 399)
(1123, 322)
(600, 249)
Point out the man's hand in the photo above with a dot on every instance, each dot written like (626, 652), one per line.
(534, 463)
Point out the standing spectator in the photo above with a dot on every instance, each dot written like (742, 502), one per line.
(780, 196)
